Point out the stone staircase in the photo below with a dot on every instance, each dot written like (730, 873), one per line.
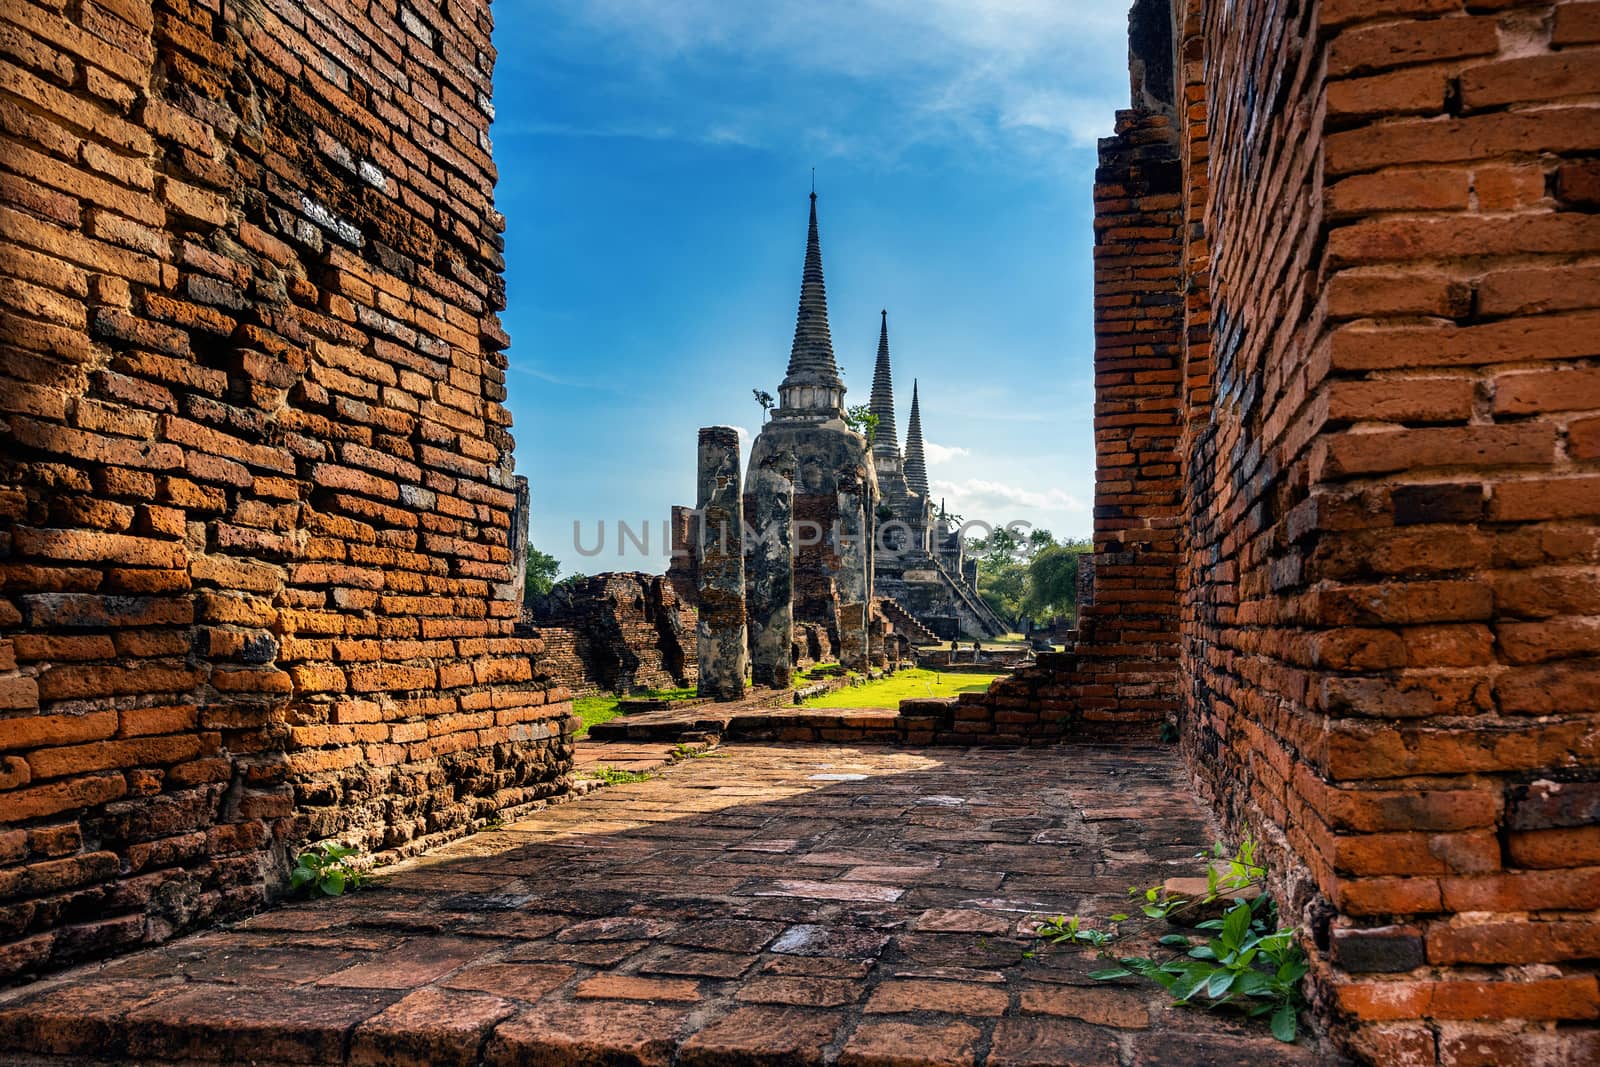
(906, 623)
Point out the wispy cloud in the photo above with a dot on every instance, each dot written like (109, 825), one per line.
(876, 79)
(941, 454)
(979, 497)
(522, 366)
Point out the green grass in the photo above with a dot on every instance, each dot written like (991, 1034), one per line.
(685, 693)
(814, 672)
(612, 776)
(595, 710)
(598, 709)
(889, 692)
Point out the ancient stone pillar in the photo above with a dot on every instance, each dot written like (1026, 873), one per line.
(724, 654)
(854, 576)
(517, 541)
(770, 505)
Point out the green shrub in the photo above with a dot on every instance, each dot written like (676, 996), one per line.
(324, 870)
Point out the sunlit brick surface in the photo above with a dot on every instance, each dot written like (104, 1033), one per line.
(805, 904)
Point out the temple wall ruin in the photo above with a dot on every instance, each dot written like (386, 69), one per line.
(1348, 436)
(257, 475)
(615, 633)
(1389, 600)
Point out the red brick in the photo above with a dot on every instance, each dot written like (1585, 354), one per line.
(1488, 941)
(1343, 12)
(906, 995)
(1556, 998)
(1546, 498)
(1404, 43)
(1575, 23)
(1381, 452)
(1541, 78)
(1402, 400)
(1561, 687)
(1484, 136)
(1511, 341)
(77, 793)
(1400, 190)
(1549, 390)
(1400, 92)
(1571, 847)
(1533, 290)
(625, 987)
(906, 1044)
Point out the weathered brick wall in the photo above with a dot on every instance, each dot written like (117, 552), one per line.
(1126, 650)
(1121, 675)
(1390, 602)
(1361, 321)
(616, 633)
(257, 479)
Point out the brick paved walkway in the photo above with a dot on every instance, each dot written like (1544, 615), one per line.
(761, 904)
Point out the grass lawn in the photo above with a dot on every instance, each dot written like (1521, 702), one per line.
(598, 709)
(889, 692)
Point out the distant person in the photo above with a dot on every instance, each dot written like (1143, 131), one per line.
(977, 649)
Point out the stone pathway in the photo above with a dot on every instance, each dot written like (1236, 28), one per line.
(759, 904)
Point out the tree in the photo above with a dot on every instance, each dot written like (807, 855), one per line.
(1033, 577)
(1003, 588)
(764, 398)
(540, 572)
(1052, 581)
(861, 419)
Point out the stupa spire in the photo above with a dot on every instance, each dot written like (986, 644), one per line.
(887, 441)
(813, 383)
(916, 465)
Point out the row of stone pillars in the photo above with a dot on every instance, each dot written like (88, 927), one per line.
(746, 625)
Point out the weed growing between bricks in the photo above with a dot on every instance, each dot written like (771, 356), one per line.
(1252, 965)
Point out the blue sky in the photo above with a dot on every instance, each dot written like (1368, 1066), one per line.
(655, 158)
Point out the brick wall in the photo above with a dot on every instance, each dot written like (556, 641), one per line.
(1390, 603)
(1127, 643)
(1120, 676)
(1348, 495)
(257, 479)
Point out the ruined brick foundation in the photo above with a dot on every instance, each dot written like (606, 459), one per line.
(615, 633)
(257, 479)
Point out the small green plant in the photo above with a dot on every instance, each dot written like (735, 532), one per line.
(862, 420)
(690, 752)
(613, 776)
(324, 869)
(1251, 964)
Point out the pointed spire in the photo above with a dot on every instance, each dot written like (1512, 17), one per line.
(811, 358)
(916, 466)
(887, 441)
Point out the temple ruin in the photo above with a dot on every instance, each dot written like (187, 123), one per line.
(257, 529)
(862, 526)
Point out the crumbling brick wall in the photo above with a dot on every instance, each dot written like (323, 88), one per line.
(257, 476)
(1390, 607)
(1363, 320)
(616, 633)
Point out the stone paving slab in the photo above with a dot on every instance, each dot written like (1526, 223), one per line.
(806, 905)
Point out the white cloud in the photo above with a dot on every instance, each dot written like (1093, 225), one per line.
(875, 77)
(941, 454)
(979, 497)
